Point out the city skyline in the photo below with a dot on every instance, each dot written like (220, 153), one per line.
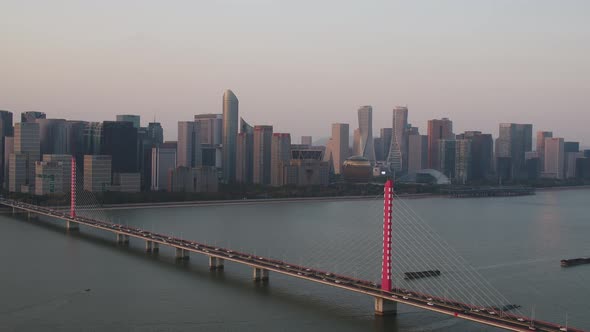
(476, 63)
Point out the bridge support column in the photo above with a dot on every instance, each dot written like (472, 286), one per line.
(72, 226)
(385, 307)
(122, 238)
(148, 246)
(182, 254)
(215, 263)
(155, 247)
(259, 274)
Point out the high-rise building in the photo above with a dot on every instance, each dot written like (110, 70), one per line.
(163, 160)
(541, 136)
(571, 152)
(6, 130)
(356, 142)
(49, 178)
(386, 135)
(26, 153)
(378, 146)
(261, 154)
(8, 150)
(337, 150)
(210, 129)
(482, 152)
(53, 135)
(463, 160)
(306, 167)
(119, 140)
(97, 173)
(514, 140)
(280, 156)
(366, 148)
(92, 138)
(230, 133)
(306, 140)
(156, 132)
(244, 153)
(65, 160)
(398, 148)
(75, 140)
(417, 152)
(554, 158)
(134, 119)
(447, 155)
(438, 130)
(189, 145)
(31, 116)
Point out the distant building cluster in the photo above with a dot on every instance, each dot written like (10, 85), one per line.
(37, 153)
(442, 156)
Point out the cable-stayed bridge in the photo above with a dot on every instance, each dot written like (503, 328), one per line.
(460, 291)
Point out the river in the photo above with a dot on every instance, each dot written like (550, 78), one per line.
(54, 281)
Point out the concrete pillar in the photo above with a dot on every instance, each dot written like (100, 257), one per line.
(72, 226)
(148, 246)
(385, 307)
(215, 263)
(122, 238)
(182, 254)
(259, 274)
(155, 247)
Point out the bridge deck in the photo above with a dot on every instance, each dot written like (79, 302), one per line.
(487, 316)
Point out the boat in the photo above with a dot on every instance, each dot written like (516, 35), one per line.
(421, 274)
(575, 261)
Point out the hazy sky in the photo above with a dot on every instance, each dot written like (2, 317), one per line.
(302, 65)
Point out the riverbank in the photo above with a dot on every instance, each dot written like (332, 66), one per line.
(128, 206)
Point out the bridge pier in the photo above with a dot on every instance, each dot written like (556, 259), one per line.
(215, 263)
(385, 307)
(72, 226)
(155, 247)
(148, 246)
(182, 254)
(259, 274)
(122, 238)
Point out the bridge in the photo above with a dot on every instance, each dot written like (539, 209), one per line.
(386, 295)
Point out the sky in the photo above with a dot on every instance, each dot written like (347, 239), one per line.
(302, 65)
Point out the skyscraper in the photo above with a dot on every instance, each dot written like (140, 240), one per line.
(482, 152)
(417, 152)
(398, 147)
(554, 158)
(437, 130)
(134, 119)
(280, 157)
(338, 146)
(230, 132)
(31, 116)
(189, 145)
(356, 142)
(156, 132)
(366, 147)
(163, 161)
(210, 131)
(463, 160)
(119, 140)
(92, 138)
(6, 130)
(447, 155)
(386, 135)
(514, 140)
(26, 153)
(53, 134)
(261, 154)
(541, 136)
(244, 153)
